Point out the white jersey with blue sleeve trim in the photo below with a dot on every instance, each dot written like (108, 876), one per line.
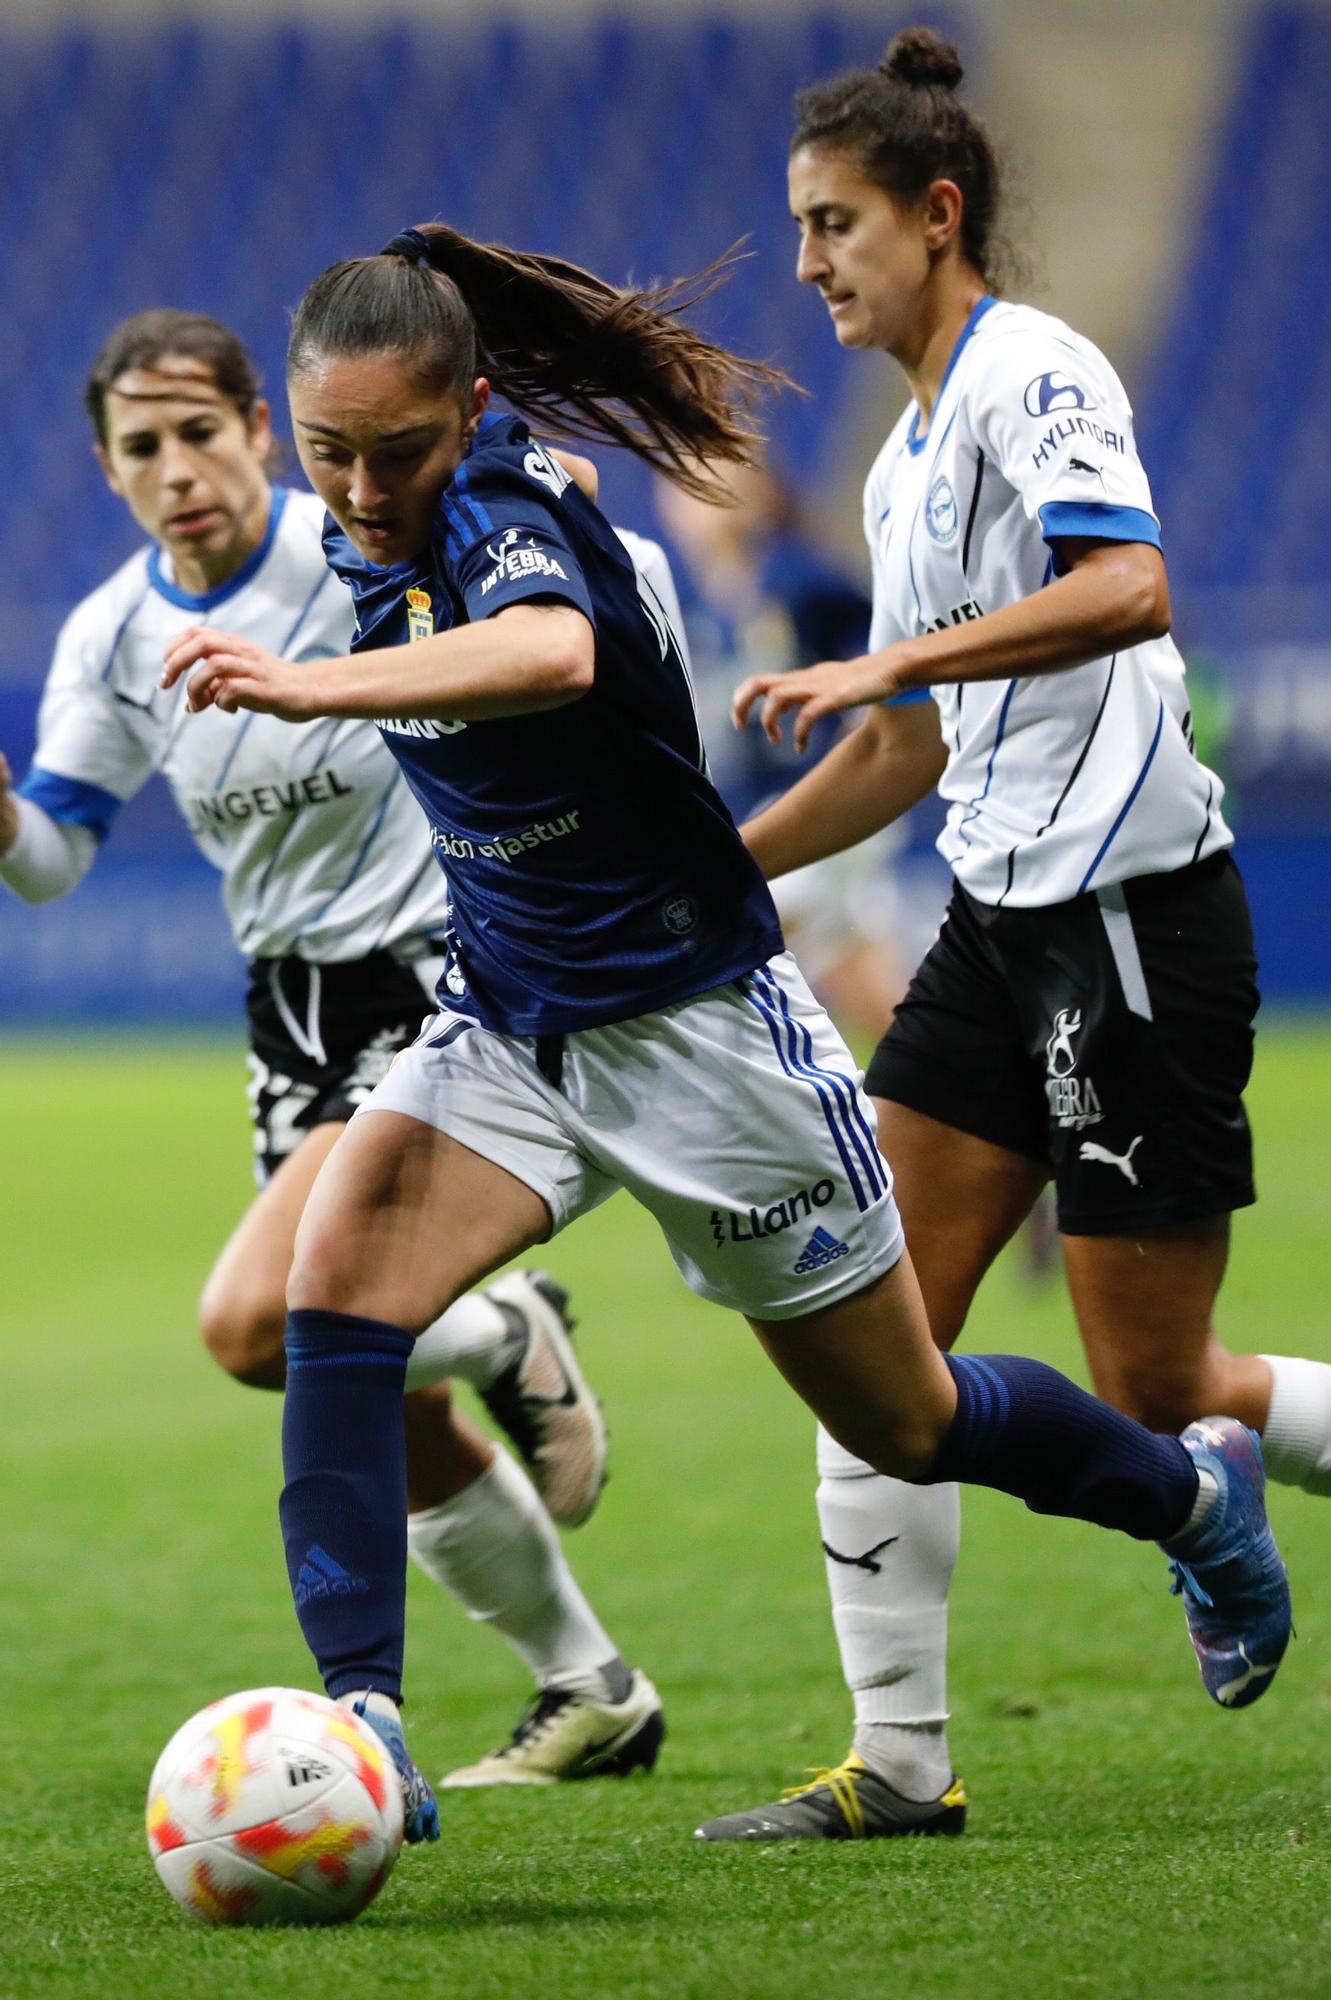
(322, 849)
(1057, 783)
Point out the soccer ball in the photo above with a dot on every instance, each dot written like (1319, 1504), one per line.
(274, 1807)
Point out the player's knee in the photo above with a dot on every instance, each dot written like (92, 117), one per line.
(244, 1336)
(327, 1275)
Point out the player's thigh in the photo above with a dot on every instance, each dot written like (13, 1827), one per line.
(961, 1199)
(868, 1368)
(403, 1218)
(738, 1119)
(242, 1310)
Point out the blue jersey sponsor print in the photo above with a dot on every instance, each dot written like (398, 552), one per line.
(594, 872)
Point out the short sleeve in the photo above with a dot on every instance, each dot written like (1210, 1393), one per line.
(505, 538)
(91, 755)
(1056, 422)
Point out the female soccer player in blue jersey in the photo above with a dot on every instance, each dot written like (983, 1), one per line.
(617, 1007)
(334, 899)
(1086, 1013)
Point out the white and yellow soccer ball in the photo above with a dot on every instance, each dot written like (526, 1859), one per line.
(274, 1807)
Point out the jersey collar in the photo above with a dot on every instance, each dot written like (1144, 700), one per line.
(914, 442)
(249, 569)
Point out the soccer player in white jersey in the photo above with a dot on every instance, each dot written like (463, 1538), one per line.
(1086, 1013)
(618, 1009)
(334, 897)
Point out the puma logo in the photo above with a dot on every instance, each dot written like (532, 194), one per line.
(866, 1561)
(1123, 1161)
(1228, 1692)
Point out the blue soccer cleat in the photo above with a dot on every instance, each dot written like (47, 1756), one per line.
(1228, 1570)
(420, 1814)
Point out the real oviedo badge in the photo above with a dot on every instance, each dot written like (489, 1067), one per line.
(420, 617)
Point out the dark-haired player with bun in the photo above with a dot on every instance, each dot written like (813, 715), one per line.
(617, 1006)
(1086, 1013)
(334, 898)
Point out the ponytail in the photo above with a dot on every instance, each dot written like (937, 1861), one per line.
(581, 357)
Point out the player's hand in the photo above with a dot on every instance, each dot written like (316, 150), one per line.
(814, 692)
(8, 806)
(230, 673)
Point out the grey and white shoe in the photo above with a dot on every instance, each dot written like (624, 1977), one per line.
(565, 1735)
(848, 1803)
(540, 1398)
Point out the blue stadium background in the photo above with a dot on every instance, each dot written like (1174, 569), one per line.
(219, 168)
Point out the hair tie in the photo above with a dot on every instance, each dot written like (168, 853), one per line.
(409, 243)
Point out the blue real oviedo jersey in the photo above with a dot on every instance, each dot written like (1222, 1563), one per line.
(594, 872)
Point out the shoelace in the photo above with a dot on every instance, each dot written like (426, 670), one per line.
(840, 1782)
(543, 1711)
(1185, 1584)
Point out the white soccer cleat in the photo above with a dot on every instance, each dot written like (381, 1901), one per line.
(564, 1736)
(541, 1399)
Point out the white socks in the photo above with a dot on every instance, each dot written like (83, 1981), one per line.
(371, 1701)
(1296, 1439)
(471, 1340)
(494, 1547)
(890, 1550)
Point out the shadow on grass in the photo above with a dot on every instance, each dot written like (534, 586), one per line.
(511, 1912)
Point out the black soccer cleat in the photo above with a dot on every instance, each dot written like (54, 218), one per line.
(848, 1803)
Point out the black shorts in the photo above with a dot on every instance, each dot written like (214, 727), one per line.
(321, 1038)
(1110, 1038)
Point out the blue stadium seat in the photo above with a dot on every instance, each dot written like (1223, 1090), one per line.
(220, 167)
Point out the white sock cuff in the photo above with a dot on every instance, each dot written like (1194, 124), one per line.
(468, 1341)
(900, 1702)
(502, 1491)
(1296, 1438)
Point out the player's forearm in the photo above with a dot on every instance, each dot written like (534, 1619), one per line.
(45, 858)
(867, 781)
(1116, 596)
(516, 664)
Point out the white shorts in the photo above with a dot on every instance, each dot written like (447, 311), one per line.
(737, 1118)
(832, 907)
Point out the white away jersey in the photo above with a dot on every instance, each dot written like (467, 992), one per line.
(324, 853)
(1060, 782)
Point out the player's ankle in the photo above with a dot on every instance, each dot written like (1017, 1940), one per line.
(370, 1701)
(912, 1757)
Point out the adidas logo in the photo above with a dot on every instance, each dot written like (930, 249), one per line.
(306, 1770)
(320, 1575)
(821, 1249)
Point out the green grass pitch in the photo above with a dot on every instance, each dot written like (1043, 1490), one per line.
(1127, 1839)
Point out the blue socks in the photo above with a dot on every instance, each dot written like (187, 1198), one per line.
(1027, 1430)
(344, 1508)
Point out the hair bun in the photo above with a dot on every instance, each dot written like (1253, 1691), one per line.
(922, 60)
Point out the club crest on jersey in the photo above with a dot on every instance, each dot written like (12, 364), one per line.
(420, 615)
(679, 915)
(940, 511)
